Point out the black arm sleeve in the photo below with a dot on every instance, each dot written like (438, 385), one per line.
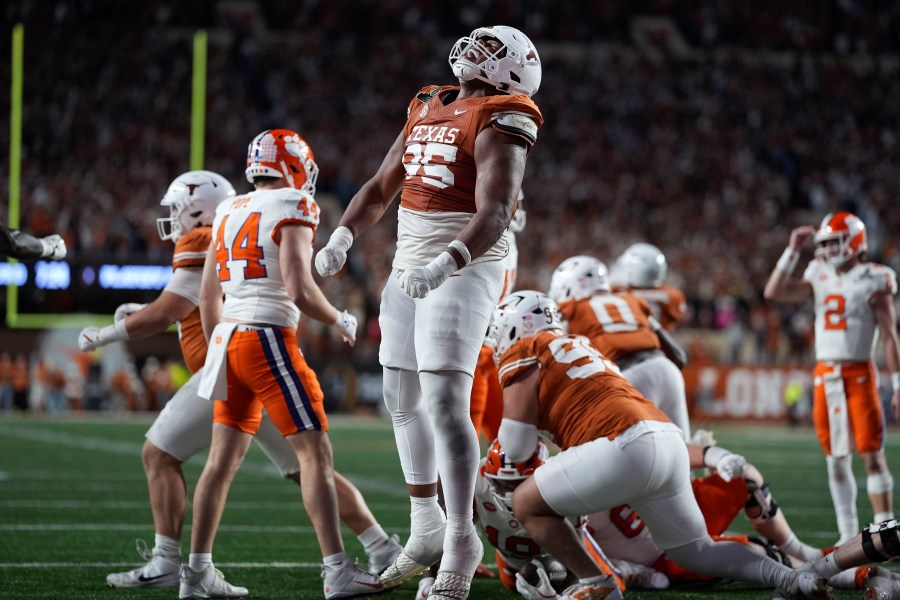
(19, 245)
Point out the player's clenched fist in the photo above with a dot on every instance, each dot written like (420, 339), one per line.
(331, 258)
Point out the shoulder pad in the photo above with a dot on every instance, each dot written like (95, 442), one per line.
(517, 124)
(426, 97)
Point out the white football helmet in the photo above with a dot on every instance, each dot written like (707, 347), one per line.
(514, 68)
(577, 278)
(192, 199)
(520, 315)
(849, 232)
(643, 266)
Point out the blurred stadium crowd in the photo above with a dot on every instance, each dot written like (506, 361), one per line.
(707, 128)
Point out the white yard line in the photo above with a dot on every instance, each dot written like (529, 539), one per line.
(58, 438)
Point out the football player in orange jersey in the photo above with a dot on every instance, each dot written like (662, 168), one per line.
(853, 305)
(184, 427)
(459, 163)
(622, 327)
(641, 270)
(562, 385)
(18, 244)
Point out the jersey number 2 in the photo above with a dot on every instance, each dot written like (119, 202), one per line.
(244, 246)
(834, 312)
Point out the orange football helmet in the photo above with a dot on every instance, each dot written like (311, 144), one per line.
(285, 154)
(505, 476)
(850, 233)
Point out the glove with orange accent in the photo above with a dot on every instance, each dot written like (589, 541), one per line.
(92, 338)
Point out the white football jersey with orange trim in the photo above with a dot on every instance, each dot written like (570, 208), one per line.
(846, 329)
(246, 245)
(501, 527)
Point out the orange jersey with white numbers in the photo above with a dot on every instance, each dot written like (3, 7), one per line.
(438, 197)
(440, 144)
(616, 324)
(190, 252)
(582, 396)
(667, 304)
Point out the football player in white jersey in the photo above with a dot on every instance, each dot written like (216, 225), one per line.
(184, 427)
(853, 304)
(459, 163)
(260, 259)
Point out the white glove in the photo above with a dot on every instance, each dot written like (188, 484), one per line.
(346, 326)
(703, 437)
(543, 590)
(331, 258)
(727, 464)
(54, 247)
(92, 338)
(126, 309)
(517, 223)
(418, 281)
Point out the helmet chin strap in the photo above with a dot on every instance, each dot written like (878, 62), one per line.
(465, 70)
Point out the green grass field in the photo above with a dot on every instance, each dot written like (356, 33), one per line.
(73, 500)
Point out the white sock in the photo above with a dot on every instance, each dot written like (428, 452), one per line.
(842, 484)
(883, 516)
(334, 562)
(826, 567)
(199, 562)
(168, 547)
(845, 580)
(462, 546)
(373, 537)
(426, 530)
(425, 516)
(794, 547)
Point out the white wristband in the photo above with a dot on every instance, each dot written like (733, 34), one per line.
(341, 238)
(788, 260)
(895, 381)
(712, 455)
(113, 333)
(463, 251)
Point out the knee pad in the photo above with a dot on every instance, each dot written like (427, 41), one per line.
(760, 501)
(888, 534)
(772, 551)
(879, 483)
(402, 394)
